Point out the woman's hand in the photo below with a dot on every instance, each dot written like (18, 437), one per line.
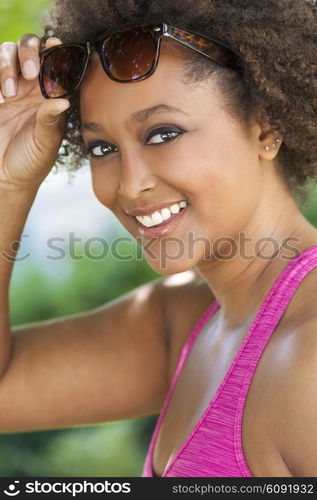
(31, 127)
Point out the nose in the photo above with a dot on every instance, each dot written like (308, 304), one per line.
(135, 177)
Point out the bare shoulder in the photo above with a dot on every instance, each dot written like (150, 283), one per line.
(185, 296)
(298, 399)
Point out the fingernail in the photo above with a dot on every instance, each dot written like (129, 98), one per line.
(9, 87)
(30, 69)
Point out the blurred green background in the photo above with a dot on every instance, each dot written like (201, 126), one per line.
(112, 449)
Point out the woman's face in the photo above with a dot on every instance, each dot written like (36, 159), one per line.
(196, 153)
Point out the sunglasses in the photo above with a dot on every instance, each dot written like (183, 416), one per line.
(128, 55)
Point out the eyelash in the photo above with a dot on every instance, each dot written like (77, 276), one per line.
(159, 131)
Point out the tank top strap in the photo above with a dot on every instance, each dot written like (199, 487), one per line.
(279, 297)
(264, 325)
(207, 314)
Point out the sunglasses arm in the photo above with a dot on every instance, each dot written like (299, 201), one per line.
(213, 49)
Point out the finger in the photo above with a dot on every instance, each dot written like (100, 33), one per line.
(8, 69)
(28, 51)
(49, 118)
(52, 41)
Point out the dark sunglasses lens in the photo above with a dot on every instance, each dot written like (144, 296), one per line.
(130, 54)
(62, 70)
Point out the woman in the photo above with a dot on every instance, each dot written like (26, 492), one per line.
(215, 136)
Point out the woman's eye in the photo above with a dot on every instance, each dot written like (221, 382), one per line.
(160, 136)
(99, 150)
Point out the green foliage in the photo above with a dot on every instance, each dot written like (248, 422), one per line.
(19, 16)
(110, 449)
(310, 212)
(89, 283)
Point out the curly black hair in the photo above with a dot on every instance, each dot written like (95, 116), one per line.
(277, 43)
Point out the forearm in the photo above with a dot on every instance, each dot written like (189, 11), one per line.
(14, 208)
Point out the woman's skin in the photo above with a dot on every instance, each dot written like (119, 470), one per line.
(223, 170)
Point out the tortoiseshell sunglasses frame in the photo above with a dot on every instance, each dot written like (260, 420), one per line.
(213, 48)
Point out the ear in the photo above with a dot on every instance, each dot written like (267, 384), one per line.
(268, 140)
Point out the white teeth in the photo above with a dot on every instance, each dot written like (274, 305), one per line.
(147, 221)
(159, 216)
(175, 208)
(165, 213)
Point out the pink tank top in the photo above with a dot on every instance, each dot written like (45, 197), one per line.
(214, 446)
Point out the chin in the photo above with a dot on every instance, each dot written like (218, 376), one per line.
(170, 266)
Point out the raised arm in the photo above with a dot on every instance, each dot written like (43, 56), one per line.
(107, 364)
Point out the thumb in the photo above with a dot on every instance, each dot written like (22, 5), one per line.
(49, 117)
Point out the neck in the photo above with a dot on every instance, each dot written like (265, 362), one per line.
(261, 251)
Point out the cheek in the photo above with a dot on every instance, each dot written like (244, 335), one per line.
(216, 162)
(104, 183)
(223, 179)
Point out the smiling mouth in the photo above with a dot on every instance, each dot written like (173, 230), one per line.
(164, 223)
(161, 217)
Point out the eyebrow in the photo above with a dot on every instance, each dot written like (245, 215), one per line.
(137, 117)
